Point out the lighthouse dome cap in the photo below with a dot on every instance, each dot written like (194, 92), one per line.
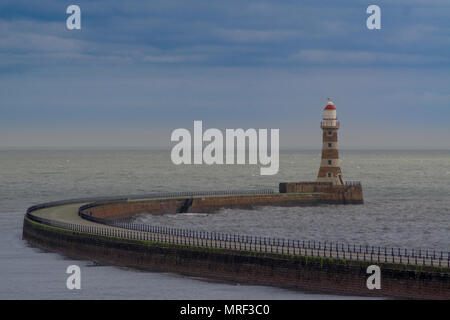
(330, 105)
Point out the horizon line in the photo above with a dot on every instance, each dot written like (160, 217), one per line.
(282, 148)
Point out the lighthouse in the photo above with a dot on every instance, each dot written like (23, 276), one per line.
(330, 169)
(329, 182)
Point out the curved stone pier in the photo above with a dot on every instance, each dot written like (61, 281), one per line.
(94, 229)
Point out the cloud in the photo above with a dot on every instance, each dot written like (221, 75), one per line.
(257, 33)
(249, 36)
(414, 37)
(354, 57)
(35, 37)
(163, 58)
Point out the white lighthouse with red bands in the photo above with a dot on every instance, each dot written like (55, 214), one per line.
(330, 169)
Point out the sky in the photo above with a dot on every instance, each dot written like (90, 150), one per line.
(137, 70)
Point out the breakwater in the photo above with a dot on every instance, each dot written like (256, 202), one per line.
(84, 228)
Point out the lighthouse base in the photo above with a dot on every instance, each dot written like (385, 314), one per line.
(349, 193)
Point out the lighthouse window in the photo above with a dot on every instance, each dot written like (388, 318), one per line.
(329, 162)
(329, 174)
(330, 132)
(330, 145)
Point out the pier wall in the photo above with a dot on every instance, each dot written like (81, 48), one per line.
(214, 203)
(345, 194)
(304, 273)
(124, 208)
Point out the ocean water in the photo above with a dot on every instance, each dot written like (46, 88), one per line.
(407, 204)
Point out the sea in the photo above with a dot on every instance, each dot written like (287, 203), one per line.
(407, 205)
